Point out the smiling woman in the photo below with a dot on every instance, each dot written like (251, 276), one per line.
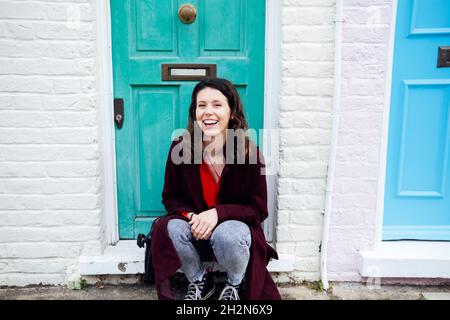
(215, 207)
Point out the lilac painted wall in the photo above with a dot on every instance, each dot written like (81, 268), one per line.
(365, 49)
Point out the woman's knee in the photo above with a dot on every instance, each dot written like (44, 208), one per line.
(232, 232)
(179, 230)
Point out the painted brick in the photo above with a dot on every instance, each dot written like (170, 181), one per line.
(285, 247)
(63, 31)
(305, 3)
(301, 202)
(51, 218)
(314, 186)
(305, 169)
(316, 16)
(343, 251)
(307, 218)
(289, 16)
(305, 122)
(57, 266)
(363, 87)
(307, 249)
(48, 153)
(22, 10)
(355, 186)
(49, 186)
(69, 12)
(356, 170)
(367, 3)
(92, 248)
(363, 138)
(19, 30)
(14, 250)
(69, 50)
(354, 104)
(370, 16)
(308, 52)
(315, 34)
(49, 202)
(363, 53)
(283, 217)
(13, 48)
(298, 233)
(366, 154)
(288, 89)
(352, 216)
(298, 137)
(60, 135)
(362, 70)
(76, 102)
(365, 34)
(314, 87)
(57, 234)
(320, 120)
(307, 264)
(15, 84)
(309, 69)
(307, 153)
(73, 169)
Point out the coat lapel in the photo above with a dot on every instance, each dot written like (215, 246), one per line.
(192, 175)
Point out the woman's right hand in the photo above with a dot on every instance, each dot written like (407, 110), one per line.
(203, 224)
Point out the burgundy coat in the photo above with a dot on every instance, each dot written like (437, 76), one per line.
(242, 196)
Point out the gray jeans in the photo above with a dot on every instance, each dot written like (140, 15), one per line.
(230, 242)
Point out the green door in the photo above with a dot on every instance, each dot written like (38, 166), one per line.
(147, 34)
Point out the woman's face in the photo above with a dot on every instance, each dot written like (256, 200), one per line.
(212, 112)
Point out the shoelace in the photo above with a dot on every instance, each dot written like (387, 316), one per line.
(194, 291)
(229, 293)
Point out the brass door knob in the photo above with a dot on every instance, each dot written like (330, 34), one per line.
(187, 13)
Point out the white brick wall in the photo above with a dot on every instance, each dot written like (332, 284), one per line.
(366, 30)
(50, 174)
(50, 166)
(305, 122)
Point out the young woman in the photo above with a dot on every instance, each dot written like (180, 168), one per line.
(216, 199)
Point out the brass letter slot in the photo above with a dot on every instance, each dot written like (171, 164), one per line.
(187, 72)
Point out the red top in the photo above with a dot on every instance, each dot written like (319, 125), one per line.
(210, 188)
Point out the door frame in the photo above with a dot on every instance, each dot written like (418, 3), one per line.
(272, 75)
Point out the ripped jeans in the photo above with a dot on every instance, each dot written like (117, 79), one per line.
(230, 242)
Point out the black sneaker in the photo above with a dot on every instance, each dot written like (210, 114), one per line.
(201, 290)
(231, 292)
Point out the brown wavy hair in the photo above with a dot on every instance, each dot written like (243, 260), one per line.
(237, 116)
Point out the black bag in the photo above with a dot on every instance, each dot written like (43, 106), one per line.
(146, 240)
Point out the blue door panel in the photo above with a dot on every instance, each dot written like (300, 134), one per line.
(417, 190)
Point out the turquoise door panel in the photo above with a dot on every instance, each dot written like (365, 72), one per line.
(417, 193)
(147, 34)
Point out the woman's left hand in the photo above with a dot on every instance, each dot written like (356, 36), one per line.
(203, 224)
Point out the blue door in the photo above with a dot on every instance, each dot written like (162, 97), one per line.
(417, 193)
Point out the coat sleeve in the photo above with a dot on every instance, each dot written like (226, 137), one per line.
(173, 197)
(254, 211)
